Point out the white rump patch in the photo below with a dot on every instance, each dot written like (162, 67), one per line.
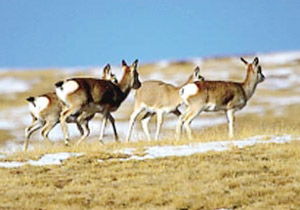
(39, 104)
(187, 91)
(67, 88)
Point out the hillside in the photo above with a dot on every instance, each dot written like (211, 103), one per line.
(240, 173)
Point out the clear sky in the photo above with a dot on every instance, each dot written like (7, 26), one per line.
(60, 33)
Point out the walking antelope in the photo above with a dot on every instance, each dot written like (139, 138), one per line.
(89, 95)
(211, 96)
(165, 100)
(45, 111)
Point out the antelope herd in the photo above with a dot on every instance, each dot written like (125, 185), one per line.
(77, 100)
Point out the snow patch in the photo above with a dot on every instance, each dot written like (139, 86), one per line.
(154, 152)
(279, 58)
(197, 61)
(53, 159)
(280, 100)
(190, 149)
(163, 64)
(12, 164)
(13, 85)
(11, 147)
(8, 118)
(281, 78)
(48, 159)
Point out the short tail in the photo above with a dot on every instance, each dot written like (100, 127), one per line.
(59, 84)
(30, 99)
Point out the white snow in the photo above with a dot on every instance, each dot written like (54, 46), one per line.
(48, 159)
(13, 85)
(11, 147)
(280, 101)
(197, 61)
(12, 164)
(280, 78)
(278, 72)
(215, 74)
(154, 152)
(163, 63)
(15, 118)
(6, 124)
(190, 149)
(53, 159)
(279, 58)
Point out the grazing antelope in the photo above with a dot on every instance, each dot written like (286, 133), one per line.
(212, 96)
(45, 111)
(92, 96)
(166, 99)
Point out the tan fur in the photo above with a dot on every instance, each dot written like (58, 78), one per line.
(47, 119)
(221, 96)
(157, 97)
(98, 96)
(50, 116)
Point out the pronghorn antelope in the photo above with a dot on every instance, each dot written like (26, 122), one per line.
(89, 95)
(45, 111)
(166, 99)
(211, 96)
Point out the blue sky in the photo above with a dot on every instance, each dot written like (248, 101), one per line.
(59, 33)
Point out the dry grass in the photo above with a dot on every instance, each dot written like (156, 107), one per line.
(258, 177)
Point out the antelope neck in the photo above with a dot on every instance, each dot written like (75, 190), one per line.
(249, 84)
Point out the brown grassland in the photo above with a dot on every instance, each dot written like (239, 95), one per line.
(258, 177)
(263, 176)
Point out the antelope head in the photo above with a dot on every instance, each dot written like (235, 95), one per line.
(130, 77)
(197, 76)
(254, 70)
(108, 75)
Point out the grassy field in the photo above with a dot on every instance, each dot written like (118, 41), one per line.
(257, 177)
(265, 176)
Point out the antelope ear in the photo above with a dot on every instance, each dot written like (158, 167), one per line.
(124, 63)
(255, 61)
(244, 61)
(106, 69)
(30, 99)
(135, 63)
(197, 71)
